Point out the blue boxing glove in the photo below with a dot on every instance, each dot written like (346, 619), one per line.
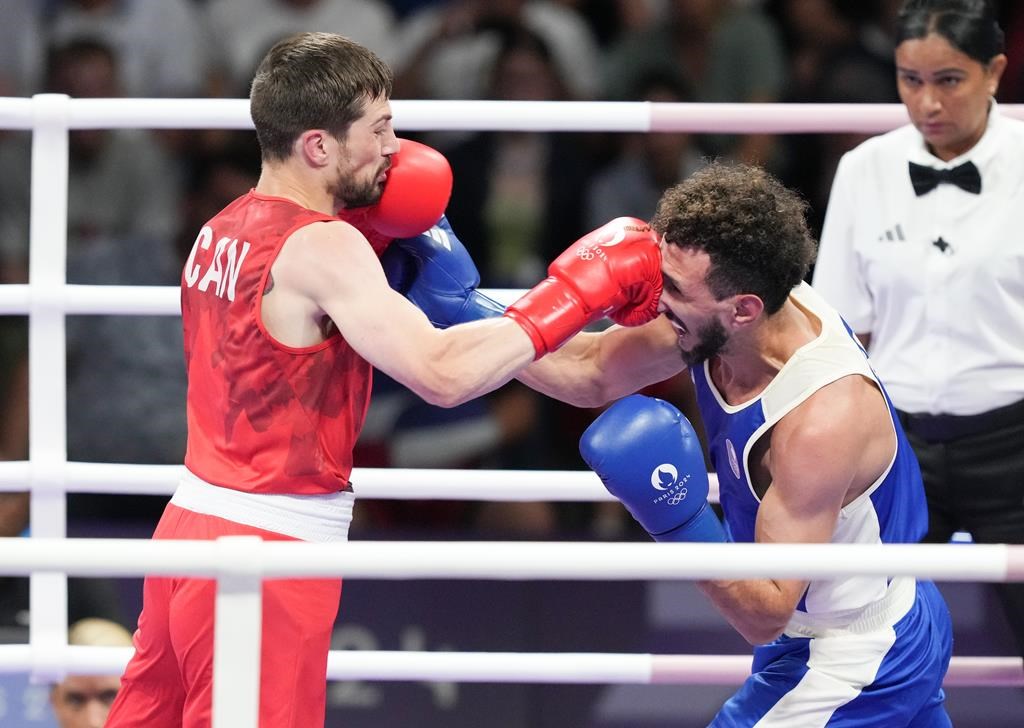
(649, 457)
(435, 271)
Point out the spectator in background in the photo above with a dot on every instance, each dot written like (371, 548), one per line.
(836, 55)
(21, 48)
(14, 507)
(121, 185)
(444, 50)
(13, 514)
(813, 32)
(921, 253)
(124, 198)
(1011, 90)
(86, 597)
(163, 47)
(246, 29)
(517, 195)
(212, 180)
(609, 19)
(402, 8)
(723, 50)
(647, 164)
(403, 431)
(83, 701)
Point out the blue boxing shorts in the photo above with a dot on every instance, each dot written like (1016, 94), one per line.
(884, 676)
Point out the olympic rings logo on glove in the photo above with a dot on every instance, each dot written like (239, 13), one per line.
(676, 498)
(585, 253)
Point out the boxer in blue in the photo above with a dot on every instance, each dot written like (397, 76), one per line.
(802, 436)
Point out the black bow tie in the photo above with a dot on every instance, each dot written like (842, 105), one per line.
(926, 179)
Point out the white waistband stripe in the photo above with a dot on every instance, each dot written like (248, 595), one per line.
(313, 518)
(885, 612)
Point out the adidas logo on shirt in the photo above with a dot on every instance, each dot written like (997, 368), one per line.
(893, 235)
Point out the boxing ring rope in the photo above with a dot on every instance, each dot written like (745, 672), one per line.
(580, 486)
(47, 556)
(248, 560)
(615, 116)
(513, 560)
(576, 668)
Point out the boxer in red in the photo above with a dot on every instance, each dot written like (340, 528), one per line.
(286, 310)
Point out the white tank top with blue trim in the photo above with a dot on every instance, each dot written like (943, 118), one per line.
(891, 510)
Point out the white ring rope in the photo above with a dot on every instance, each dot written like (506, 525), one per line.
(579, 486)
(634, 116)
(240, 564)
(74, 298)
(514, 560)
(519, 667)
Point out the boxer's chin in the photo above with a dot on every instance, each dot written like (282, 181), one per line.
(711, 340)
(363, 196)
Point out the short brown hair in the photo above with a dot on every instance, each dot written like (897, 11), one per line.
(313, 81)
(752, 227)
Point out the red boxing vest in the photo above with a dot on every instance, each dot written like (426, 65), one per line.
(262, 417)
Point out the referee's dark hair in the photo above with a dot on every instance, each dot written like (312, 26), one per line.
(970, 26)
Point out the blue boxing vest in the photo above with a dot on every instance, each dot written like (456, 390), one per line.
(892, 510)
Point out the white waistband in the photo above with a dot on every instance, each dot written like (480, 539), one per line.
(314, 518)
(885, 612)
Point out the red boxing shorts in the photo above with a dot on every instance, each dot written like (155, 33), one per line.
(169, 681)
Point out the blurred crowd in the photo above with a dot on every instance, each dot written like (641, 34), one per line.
(138, 197)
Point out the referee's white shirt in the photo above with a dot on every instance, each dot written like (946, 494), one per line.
(947, 326)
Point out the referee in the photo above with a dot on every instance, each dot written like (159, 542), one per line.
(922, 252)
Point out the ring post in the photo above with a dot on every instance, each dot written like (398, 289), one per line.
(237, 633)
(48, 238)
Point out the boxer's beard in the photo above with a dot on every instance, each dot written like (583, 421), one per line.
(711, 341)
(353, 193)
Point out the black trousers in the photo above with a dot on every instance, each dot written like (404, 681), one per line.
(973, 469)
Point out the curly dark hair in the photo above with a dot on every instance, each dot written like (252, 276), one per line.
(752, 227)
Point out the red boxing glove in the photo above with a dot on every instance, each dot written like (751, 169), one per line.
(416, 194)
(615, 270)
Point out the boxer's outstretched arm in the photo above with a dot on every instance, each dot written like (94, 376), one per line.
(593, 369)
(436, 272)
(327, 271)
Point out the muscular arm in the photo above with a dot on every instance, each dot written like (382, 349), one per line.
(593, 369)
(822, 455)
(329, 269)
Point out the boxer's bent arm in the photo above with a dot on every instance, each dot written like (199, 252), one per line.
(593, 369)
(823, 454)
(332, 266)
